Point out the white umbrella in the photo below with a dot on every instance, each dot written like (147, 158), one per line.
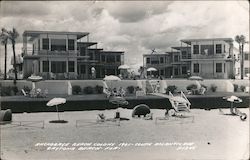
(198, 78)
(55, 102)
(111, 78)
(151, 69)
(124, 67)
(34, 79)
(233, 99)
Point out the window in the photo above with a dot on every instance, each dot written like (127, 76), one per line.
(246, 57)
(45, 66)
(71, 66)
(45, 42)
(218, 67)
(176, 58)
(110, 59)
(118, 58)
(161, 72)
(184, 54)
(207, 49)
(58, 66)
(38, 44)
(184, 70)
(176, 71)
(58, 45)
(218, 48)
(196, 68)
(196, 49)
(246, 71)
(161, 60)
(103, 58)
(148, 60)
(71, 44)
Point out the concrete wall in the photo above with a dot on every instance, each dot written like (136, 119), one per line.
(53, 86)
(63, 87)
(20, 83)
(222, 85)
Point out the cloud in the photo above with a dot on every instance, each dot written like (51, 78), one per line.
(135, 27)
(129, 11)
(23, 9)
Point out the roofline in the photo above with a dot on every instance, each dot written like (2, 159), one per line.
(188, 41)
(86, 43)
(159, 54)
(112, 51)
(178, 48)
(32, 33)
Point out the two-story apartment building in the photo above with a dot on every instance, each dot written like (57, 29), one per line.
(208, 58)
(246, 65)
(64, 55)
(211, 58)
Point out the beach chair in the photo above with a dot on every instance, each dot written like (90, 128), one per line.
(106, 92)
(24, 93)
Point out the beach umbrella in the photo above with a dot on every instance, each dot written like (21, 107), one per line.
(141, 109)
(34, 79)
(111, 78)
(56, 102)
(198, 78)
(151, 69)
(124, 66)
(118, 101)
(233, 99)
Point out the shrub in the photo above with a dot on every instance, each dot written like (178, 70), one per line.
(242, 88)
(14, 89)
(235, 87)
(76, 89)
(88, 90)
(131, 89)
(6, 91)
(99, 89)
(213, 88)
(192, 86)
(26, 89)
(171, 89)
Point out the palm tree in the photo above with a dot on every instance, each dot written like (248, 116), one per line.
(12, 35)
(4, 41)
(241, 40)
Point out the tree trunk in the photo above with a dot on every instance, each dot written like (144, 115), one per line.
(242, 61)
(5, 61)
(14, 58)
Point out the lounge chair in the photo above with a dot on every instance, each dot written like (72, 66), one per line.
(24, 93)
(107, 92)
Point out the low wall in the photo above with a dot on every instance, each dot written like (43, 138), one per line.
(54, 86)
(62, 86)
(20, 83)
(221, 84)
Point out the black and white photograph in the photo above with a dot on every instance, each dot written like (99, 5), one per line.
(124, 80)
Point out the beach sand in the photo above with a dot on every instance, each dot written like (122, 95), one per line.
(210, 136)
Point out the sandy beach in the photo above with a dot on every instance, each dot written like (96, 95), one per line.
(210, 136)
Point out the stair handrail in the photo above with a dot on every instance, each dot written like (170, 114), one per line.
(184, 96)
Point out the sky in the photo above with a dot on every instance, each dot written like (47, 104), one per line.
(135, 27)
